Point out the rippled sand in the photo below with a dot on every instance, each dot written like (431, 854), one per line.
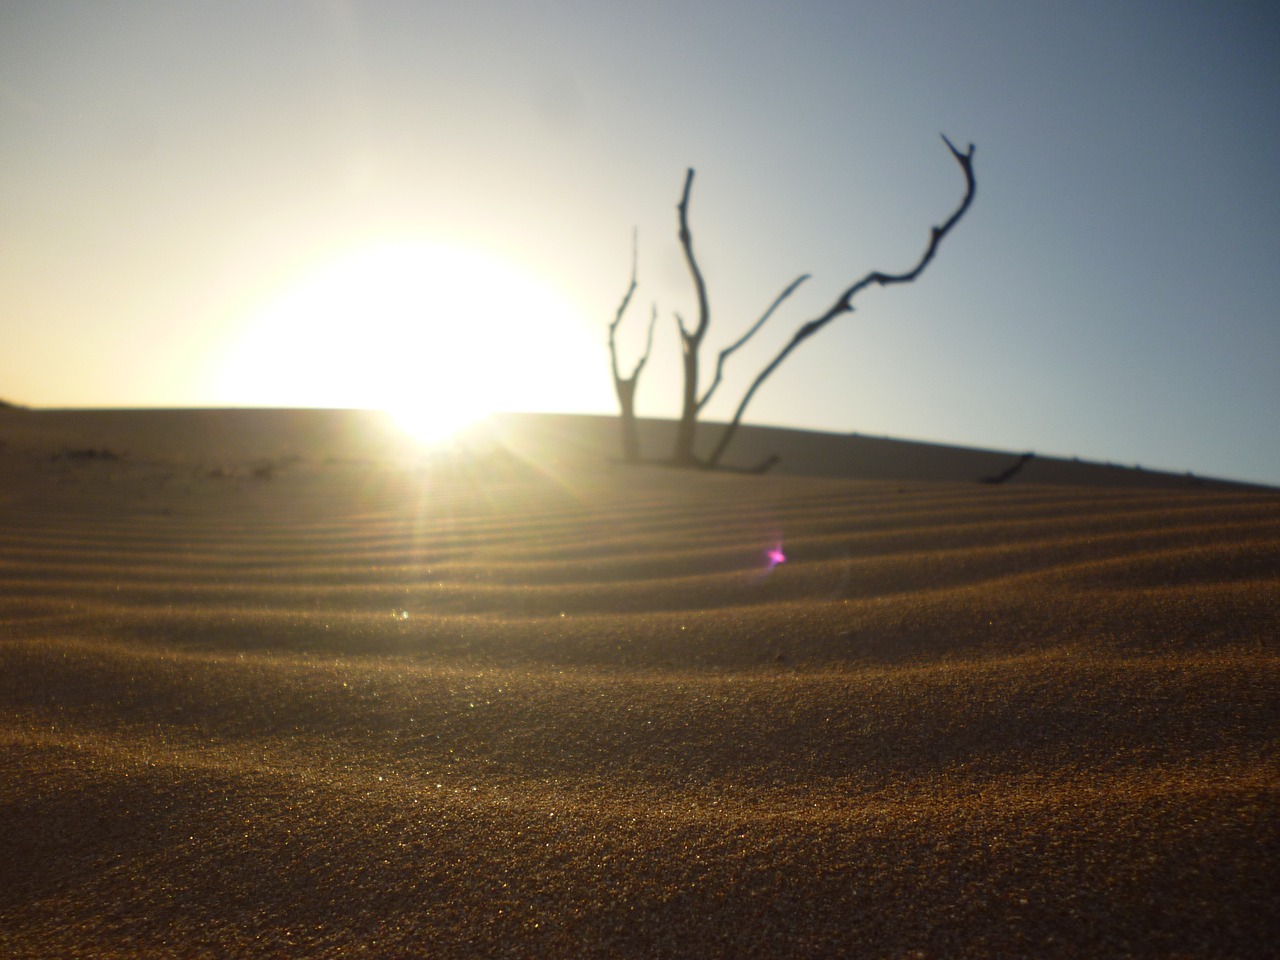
(491, 708)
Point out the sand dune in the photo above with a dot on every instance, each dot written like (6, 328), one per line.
(253, 438)
(268, 686)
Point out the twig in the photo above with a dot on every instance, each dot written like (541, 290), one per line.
(724, 354)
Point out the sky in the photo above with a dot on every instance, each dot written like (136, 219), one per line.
(429, 207)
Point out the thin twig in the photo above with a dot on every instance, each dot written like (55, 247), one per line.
(724, 354)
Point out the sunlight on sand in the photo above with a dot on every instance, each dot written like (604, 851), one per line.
(430, 425)
(516, 700)
(438, 335)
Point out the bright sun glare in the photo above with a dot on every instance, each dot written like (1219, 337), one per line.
(439, 336)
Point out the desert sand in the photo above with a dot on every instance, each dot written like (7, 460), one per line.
(273, 685)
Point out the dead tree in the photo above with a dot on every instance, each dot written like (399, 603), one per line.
(626, 386)
(691, 339)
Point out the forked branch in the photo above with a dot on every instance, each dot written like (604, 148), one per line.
(622, 309)
(625, 387)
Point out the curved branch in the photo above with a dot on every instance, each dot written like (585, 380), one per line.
(690, 341)
(686, 241)
(844, 304)
(724, 354)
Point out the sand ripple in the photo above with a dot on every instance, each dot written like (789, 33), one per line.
(520, 714)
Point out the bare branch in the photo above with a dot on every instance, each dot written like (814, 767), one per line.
(690, 340)
(648, 343)
(686, 241)
(625, 387)
(844, 304)
(724, 354)
(622, 309)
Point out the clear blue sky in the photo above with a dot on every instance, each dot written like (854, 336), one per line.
(334, 203)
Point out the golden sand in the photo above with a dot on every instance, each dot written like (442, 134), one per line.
(493, 708)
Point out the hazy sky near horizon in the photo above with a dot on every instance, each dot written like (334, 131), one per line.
(391, 203)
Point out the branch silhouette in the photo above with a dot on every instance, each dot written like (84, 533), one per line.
(690, 340)
(625, 387)
(844, 303)
(692, 336)
(727, 351)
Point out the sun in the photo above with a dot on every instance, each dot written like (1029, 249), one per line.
(438, 335)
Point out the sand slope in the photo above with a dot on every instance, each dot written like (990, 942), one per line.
(257, 701)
